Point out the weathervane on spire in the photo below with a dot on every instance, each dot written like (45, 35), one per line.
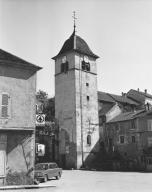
(74, 19)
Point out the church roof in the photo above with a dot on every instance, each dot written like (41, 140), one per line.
(10, 59)
(76, 43)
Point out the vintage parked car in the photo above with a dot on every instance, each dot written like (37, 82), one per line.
(45, 171)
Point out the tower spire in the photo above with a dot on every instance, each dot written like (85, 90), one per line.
(74, 19)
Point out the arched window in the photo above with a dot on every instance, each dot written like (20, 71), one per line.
(85, 66)
(89, 139)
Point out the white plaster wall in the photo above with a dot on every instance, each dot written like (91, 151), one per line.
(89, 110)
(67, 105)
(22, 98)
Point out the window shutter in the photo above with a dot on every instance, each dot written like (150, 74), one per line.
(5, 105)
(83, 65)
(88, 66)
(0, 105)
(67, 66)
(149, 125)
(62, 67)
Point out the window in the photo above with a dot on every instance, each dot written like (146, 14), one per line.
(5, 105)
(87, 84)
(149, 141)
(133, 139)
(85, 66)
(89, 139)
(88, 98)
(102, 119)
(149, 124)
(122, 139)
(133, 124)
(64, 65)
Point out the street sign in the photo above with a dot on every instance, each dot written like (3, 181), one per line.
(40, 149)
(40, 120)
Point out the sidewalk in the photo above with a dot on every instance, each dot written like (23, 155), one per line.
(25, 187)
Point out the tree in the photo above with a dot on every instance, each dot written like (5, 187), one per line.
(41, 96)
(48, 105)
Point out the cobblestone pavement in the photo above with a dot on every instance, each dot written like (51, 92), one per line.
(93, 181)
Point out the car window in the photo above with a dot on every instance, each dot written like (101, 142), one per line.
(41, 166)
(53, 165)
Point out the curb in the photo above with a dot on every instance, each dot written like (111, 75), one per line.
(25, 187)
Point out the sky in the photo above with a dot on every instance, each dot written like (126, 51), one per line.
(118, 31)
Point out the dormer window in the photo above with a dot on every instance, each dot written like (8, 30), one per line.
(64, 65)
(85, 64)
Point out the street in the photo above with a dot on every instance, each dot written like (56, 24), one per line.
(93, 181)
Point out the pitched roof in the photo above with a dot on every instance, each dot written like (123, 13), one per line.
(138, 96)
(102, 96)
(126, 116)
(123, 99)
(108, 97)
(7, 58)
(76, 43)
(105, 109)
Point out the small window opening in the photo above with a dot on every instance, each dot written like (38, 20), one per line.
(122, 139)
(87, 84)
(89, 139)
(88, 98)
(85, 66)
(133, 139)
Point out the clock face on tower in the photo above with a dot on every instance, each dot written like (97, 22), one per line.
(64, 59)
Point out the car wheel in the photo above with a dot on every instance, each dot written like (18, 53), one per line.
(58, 177)
(45, 178)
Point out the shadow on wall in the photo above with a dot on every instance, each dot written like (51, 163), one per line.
(17, 73)
(92, 160)
(67, 159)
(19, 156)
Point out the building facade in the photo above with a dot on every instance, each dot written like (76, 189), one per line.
(129, 136)
(76, 103)
(17, 118)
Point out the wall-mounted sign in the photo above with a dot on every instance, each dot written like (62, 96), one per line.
(40, 149)
(40, 120)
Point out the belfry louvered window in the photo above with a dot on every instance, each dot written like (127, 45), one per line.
(64, 65)
(5, 105)
(85, 66)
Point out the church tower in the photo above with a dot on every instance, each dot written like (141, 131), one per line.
(76, 103)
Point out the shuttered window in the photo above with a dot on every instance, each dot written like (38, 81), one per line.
(149, 124)
(5, 109)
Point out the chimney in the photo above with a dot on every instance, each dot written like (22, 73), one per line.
(145, 91)
(138, 89)
(123, 94)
